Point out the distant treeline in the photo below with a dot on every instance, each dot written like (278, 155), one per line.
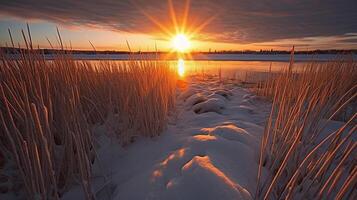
(11, 50)
(318, 51)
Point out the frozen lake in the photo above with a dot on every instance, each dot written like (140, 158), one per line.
(242, 70)
(215, 57)
(241, 66)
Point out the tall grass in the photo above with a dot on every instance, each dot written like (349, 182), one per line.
(306, 160)
(48, 109)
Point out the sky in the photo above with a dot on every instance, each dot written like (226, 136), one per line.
(147, 25)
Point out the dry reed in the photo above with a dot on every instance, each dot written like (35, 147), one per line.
(48, 108)
(305, 159)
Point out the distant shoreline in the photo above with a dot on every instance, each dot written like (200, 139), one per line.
(273, 56)
(203, 57)
(10, 50)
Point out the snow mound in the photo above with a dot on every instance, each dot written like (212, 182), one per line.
(250, 99)
(204, 137)
(224, 93)
(202, 98)
(202, 180)
(194, 99)
(217, 96)
(211, 105)
(232, 132)
(189, 92)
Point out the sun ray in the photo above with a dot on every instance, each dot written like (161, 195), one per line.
(181, 31)
(203, 25)
(173, 15)
(153, 20)
(185, 15)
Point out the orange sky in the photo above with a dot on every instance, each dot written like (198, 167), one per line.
(102, 39)
(210, 25)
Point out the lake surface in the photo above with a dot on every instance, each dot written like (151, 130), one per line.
(238, 66)
(212, 56)
(229, 65)
(250, 71)
(242, 70)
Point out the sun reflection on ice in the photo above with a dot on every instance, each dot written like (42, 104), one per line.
(181, 67)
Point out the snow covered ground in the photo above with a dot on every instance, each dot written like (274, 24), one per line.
(208, 151)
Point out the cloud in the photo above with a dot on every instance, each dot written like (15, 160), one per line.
(240, 21)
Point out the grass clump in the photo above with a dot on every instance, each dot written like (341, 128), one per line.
(48, 109)
(307, 160)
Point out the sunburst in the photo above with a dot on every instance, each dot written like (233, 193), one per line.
(181, 35)
(178, 33)
(181, 43)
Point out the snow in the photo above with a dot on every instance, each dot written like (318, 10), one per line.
(211, 105)
(208, 151)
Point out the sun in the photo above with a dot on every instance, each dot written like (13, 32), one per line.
(181, 43)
